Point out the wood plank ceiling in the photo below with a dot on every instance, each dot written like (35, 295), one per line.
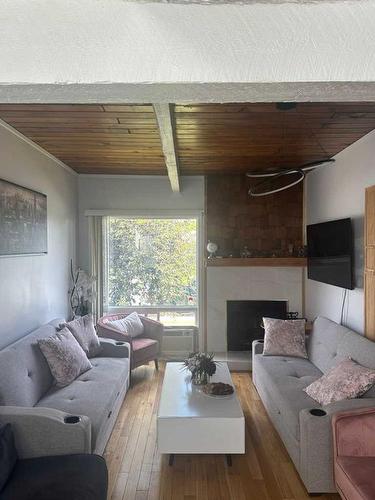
(210, 138)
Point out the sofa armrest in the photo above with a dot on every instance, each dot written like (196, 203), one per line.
(349, 404)
(45, 431)
(152, 329)
(315, 433)
(315, 449)
(105, 330)
(114, 348)
(258, 346)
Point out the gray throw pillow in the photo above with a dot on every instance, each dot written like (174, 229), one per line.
(65, 357)
(84, 332)
(131, 325)
(284, 337)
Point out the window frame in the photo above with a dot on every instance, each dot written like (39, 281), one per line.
(198, 215)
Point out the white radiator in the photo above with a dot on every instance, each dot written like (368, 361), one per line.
(179, 341)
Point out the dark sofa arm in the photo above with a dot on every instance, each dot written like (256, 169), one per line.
(73, 477)
(258, 346)
(114, 348)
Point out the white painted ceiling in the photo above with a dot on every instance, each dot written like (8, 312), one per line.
(118, 51)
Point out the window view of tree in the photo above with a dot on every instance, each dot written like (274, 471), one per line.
(152, 262)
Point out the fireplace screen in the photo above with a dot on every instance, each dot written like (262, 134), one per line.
(244, 319)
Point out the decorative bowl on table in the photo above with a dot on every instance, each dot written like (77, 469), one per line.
(218, 389)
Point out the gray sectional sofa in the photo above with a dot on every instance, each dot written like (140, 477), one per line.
(302, 424)
(48, 420)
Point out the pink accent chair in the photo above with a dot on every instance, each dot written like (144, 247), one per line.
(354, 453)
(143, 348)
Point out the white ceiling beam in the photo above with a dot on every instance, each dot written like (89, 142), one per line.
(165, 121)
(186, 93)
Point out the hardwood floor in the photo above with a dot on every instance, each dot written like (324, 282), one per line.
(137, 471)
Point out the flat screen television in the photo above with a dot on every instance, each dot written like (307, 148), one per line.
(330, 253)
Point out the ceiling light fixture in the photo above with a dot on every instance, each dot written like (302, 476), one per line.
(270, 176)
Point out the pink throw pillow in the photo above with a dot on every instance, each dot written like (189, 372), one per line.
(284, 337)
(347, 380)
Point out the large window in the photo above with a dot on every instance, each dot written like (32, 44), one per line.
(152, 268)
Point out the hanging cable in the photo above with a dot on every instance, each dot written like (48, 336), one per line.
(345, 292)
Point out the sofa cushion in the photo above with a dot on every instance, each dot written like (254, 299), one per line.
(24, 372)
(324, 343)
(92, 394)
(283, 337)
(347, 380)
(84, 332)
(65, 357)
(144, 349)
(131, 325)
(359, 349)
(285, 378)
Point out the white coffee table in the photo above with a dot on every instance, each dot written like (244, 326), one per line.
(189, 421)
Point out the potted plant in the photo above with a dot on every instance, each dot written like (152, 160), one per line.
(81, 292)
(201, 365)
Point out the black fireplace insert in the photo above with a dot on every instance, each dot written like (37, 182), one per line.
(244, 319)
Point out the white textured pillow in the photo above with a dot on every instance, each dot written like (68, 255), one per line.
(65, 357)
(131, 325)
(84, 332)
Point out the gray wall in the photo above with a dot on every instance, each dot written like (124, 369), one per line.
(132, 193)
(335, 192)
(33, 289)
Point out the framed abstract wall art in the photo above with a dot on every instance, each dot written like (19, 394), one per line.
(23, 220)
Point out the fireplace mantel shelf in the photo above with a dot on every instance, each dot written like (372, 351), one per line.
(258, 262)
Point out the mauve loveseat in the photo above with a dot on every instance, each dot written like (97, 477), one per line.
(303, 425)
(47, 420)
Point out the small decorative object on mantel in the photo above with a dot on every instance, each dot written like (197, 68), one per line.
(245, 254)
(81, 293)
(202, 366)
(212, 249)
(218, 389)
(302, 251)
(292, 315)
